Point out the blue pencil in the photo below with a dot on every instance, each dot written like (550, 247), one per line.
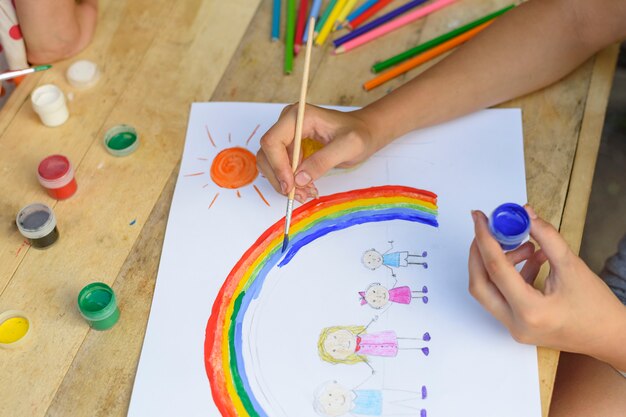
(375, 23)
(315, 12)
(359, 10)
(276, 20)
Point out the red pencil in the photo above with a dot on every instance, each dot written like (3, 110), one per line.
(367, 14)
(301, 23)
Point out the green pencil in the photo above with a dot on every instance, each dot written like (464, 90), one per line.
(380, 66)
(290, 35)
(324, 17)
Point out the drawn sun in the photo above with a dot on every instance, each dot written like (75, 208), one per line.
(232, 168)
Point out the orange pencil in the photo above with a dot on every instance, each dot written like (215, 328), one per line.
(424, 57)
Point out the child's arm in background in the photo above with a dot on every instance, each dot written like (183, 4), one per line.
(56, 29)
(576, 311)
(527, 48)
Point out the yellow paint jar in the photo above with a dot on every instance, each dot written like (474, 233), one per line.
(14, 328)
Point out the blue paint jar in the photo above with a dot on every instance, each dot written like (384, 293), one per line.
(510, 225)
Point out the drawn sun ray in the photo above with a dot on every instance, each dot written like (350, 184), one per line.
(213, 201)
(210, 137)
(232, 168)
(252, 134)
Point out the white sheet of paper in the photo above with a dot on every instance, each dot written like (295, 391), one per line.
(474, 367)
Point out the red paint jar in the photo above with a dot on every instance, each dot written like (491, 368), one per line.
(56, 175)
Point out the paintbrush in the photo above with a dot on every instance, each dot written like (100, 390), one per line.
(12, 74)
(298, 137)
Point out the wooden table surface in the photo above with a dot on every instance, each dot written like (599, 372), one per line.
(156, 57)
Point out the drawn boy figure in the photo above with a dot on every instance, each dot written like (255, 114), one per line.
(334, 400)
(378, 297)
(372, 259)
(353, 344)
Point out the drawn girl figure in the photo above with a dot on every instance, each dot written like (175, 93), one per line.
(372, 259)
(352, 344)
(334, 400)
(377, 296)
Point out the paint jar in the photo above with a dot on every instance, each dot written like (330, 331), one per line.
(121, 140)
(49, 103)
(97, 304)
(14, 329)
(83, 74)
(56, 175)
(510, 225)
(37, 223)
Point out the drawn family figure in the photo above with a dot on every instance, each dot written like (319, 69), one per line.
(378, 296)
(372, 259)
(353, 344)
(334, 400)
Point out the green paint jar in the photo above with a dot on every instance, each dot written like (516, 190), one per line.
(97, 304)
(121, 140)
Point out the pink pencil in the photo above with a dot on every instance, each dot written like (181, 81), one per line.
(393, 25)
(301, 23)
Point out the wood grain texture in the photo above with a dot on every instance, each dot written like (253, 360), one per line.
(157, 57)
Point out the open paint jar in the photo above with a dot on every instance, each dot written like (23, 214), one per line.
(37, 223)
(121, 140)
(509, 224)
(14, 328)
(56, 175)
(97, 304)
(49, 103)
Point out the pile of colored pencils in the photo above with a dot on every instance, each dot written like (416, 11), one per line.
(343, 14)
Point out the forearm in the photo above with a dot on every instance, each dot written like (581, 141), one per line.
(56, 29)
(612, 347)
(529, 47)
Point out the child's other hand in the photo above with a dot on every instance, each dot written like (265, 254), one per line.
(346, 138)
(576, 311)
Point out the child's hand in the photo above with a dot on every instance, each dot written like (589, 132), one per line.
(346, 138)
(576, 311)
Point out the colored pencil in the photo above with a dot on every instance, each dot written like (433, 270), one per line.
(18, 73)
(357, 21)
(328, 26)
(324, 18)
(345, 12)
(300, 24)
(358, 11)
(290, 35)
(380, 66)
(378, 22)
(298, 136)
(393, 25)
(315, 12)
(276, 20)
(422, 58)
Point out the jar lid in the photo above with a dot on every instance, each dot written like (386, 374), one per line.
(83, 74)
(121, 140)
(36, 221)
(55, 171)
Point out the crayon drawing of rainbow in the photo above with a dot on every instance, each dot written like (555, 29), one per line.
(224, 362)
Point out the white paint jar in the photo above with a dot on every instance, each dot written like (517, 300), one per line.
(49, 103)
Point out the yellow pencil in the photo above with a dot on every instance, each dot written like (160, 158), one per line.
(330, 23)
(345, 12)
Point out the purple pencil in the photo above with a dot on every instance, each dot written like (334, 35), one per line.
(375, 23)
